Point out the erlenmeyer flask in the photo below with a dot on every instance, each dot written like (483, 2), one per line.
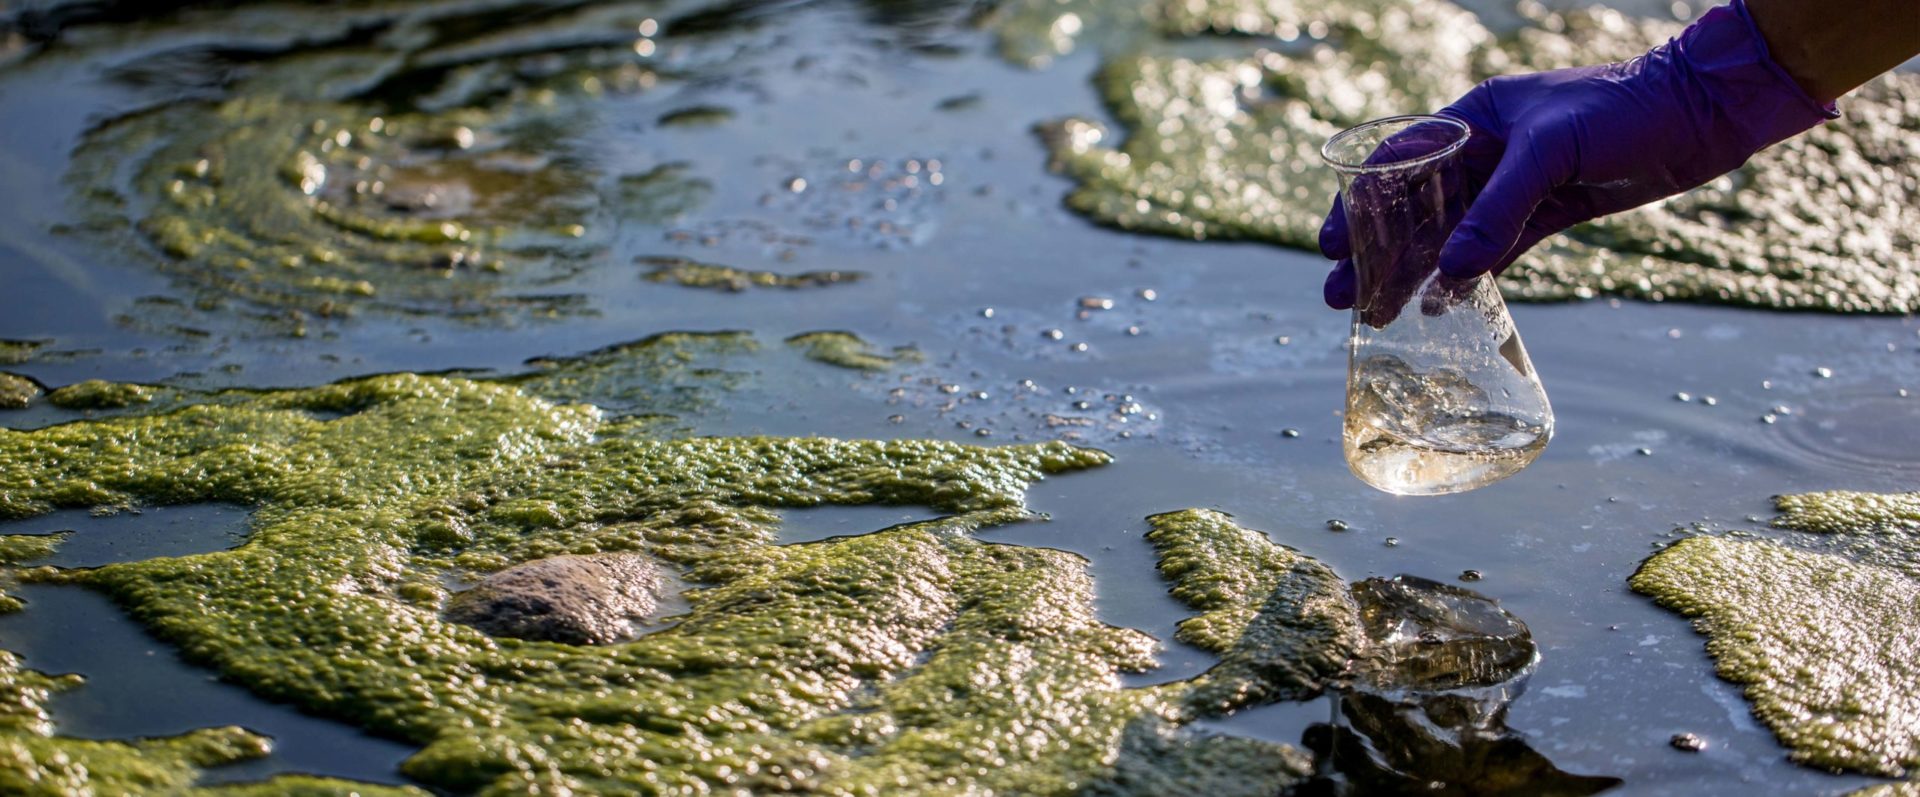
(1441, 397)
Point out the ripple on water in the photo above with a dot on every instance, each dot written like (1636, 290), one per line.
(1872, 431)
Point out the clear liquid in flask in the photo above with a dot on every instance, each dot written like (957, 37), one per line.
(1431, 433)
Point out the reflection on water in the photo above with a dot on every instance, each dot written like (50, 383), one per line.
(138, 686)
(1191, 390)
(1427, 712)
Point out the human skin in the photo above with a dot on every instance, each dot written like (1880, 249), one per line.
(1833, 48)
(1558, 148)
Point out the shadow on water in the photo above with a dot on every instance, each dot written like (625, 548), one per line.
(813, 524)
(139, 686)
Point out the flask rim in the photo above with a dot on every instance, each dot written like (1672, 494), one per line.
(1409, 120)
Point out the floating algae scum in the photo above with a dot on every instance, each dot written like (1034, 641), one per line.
(340, 379)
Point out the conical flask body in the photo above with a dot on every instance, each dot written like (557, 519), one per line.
(1441, 396)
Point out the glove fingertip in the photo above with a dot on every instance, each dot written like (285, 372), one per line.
(1467, 255)
(1341, 288)
(1334, 243)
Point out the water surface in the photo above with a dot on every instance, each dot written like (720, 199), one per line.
(1191, 390)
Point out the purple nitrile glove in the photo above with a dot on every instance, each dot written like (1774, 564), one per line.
(1552, 149)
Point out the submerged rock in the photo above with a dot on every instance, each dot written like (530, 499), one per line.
(1425, 712)
(16, 392)
(1825, 645)
(913, 659)
(436, 174)
(1422, 672)
(1428, 636)
(591, 599)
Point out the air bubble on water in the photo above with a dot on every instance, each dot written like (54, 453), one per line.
(1289, 433)
(1673, 334)
(1644, 451)
(1053, 334)
(1392, 542)
(1471, 575)
(896, 419)
(1336, 525)
(986, 312)
(1782, 409)
(1683, 396)
(1769, 418)
(978, 395)
(1096, 303)
(949, 389)
(1148, 294)
(983, 432)
(1709, 400)
(1283, 340)
(1078, 347)
(1133, 330)
(797, 184)
(1823, 372)
(1688, 742)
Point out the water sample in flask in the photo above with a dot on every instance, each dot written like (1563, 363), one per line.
(1441, 397)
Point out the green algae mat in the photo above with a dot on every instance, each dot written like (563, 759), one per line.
(395, 161)
(444, 177)
(1825, 643)
(1228, 148)
(916, 659)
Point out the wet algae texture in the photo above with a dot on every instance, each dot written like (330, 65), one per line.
(1228, 148)
(439, 172)
(694, 274)
(16, 391)
(848, 350)
(916, 659)
(1827, 645)
(37, 763)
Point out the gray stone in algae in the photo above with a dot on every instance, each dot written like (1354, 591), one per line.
(582, 600)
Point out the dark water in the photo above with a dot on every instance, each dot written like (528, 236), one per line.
(1213, 384)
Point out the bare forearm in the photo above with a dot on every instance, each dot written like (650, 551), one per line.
(1830, 47)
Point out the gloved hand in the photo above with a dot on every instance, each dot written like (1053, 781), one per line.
(1552, 149)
